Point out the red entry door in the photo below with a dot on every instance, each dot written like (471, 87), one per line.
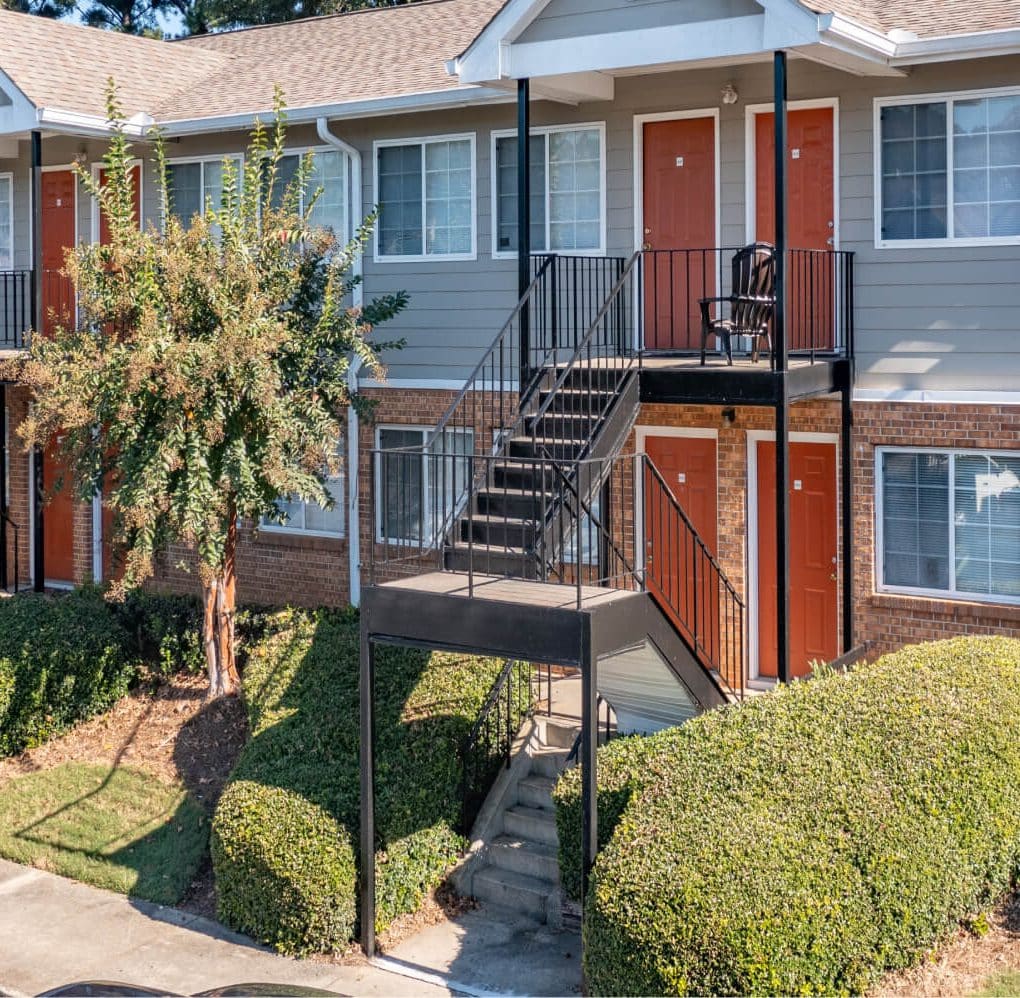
(58, 520)
(679, 215)
(810, 218)
(677, 574)
(58, 228)
(813, 549)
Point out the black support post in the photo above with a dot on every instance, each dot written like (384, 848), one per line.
(846, 498)
(4, 431)
(367, 754)
(38, 483)
(589, 779)
(782, 406)
(524, 220)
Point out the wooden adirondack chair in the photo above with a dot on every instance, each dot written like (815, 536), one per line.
(752, 302)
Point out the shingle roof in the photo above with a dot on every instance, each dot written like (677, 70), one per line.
(379, 52)
(66, 66)
(925, 18)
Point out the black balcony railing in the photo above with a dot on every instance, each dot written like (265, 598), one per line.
(16, 296)
(819, 299)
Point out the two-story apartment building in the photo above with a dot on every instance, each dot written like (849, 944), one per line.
(888, 286)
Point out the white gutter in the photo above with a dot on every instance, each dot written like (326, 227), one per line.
(353, 448)
(946, 48)
(430, 100)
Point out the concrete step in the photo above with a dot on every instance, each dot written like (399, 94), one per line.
(559, 734)
(536, 791)
(549, 762)
(533, 823)
(517, 891)
(533, 859)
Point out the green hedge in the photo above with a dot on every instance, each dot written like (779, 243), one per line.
(810, 840)
(166, 629)
(300, 771)
(62, 659)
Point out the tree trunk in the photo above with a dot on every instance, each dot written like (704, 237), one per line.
(220, 596)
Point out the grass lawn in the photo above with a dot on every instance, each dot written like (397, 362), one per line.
(120, 829)
(1005, 984)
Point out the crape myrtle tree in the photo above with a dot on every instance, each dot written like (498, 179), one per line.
(205, 377)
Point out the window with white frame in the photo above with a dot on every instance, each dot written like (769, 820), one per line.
(309, 517)
(6, 221)
(567, 189)
(329, 173)
(417, 492)
(949, 523)
(425, 193)
(193, 184)
(950, 168)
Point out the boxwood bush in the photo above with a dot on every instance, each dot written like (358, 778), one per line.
(284, 834)
(62, 659)
(812, 839)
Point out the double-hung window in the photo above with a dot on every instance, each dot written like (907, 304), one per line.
(193, 184)
(568, 185)
(308, 517)
(425, 193)
(6, 221)
(949, 169)
(417, 490)
(949, 523)
(330, 174)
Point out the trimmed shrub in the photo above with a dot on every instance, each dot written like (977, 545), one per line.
(62, 659)
(301, 686)
(812, 839)
(166, 627)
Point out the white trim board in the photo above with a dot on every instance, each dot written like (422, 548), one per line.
(751, 588)
(751, 161)
(941, 396)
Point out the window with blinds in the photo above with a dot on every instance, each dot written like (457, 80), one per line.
(949, 523)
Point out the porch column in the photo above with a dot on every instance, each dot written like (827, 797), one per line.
(524, 219)
(846, 498)
(589, 780)
(4, 432)
(367, 760)
(38, 559)
(781, 363)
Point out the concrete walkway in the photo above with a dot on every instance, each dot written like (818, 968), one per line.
(55, 931)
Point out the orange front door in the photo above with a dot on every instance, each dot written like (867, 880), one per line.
(679, 216)
(813, 547)
(58, 520)
(58, 227)
(676, 568)
(810, 217)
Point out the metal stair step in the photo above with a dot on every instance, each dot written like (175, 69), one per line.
(533, 823)
(546, 448)
(536, 791)
(533, 859)
(501, 532)
(517, 891)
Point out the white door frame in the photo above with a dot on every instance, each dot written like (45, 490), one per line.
(640, 120)
(751, 160)
(641, 434)
(753, 437)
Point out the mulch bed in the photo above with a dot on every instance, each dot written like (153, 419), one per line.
(166, 728)
(964, 964)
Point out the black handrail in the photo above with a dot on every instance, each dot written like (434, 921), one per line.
(510, 700)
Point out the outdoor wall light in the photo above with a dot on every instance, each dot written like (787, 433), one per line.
(729, 94)
(729, 416)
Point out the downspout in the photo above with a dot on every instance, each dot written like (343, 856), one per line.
(353, 427)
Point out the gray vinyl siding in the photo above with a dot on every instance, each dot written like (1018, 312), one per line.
(927, 319)
(569, 18)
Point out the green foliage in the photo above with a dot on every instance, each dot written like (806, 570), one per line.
(62, 659)
(812, 839)
(301, 687)
(120, 829)
(285, 869)
(241, 13)
(166, 628)
(206, 376)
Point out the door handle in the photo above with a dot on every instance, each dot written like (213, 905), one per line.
(832, 577)
(646, 246)
(831, 241)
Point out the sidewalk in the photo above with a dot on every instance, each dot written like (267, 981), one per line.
(55, 931)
